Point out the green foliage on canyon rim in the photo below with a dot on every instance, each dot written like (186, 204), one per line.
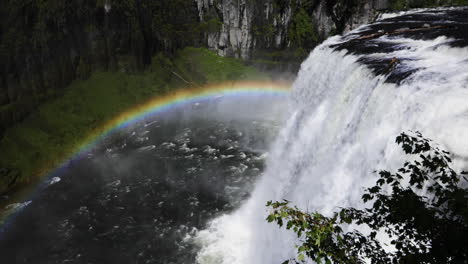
(302, 33)
(40, 142)
(421, 209)
(407, 4)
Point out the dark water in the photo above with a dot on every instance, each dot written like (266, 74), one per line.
(144, 192)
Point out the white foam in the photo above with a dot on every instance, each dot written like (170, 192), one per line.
(342, 128)
(54, 180)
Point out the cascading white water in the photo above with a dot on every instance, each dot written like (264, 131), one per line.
(342, 127)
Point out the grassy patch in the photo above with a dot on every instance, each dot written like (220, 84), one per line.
(41, 141)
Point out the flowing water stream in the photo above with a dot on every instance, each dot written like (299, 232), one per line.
(143, 192)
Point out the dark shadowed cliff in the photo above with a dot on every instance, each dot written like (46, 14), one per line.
(45, 44)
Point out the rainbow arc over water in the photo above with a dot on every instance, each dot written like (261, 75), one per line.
(148, 110)
(178, 98)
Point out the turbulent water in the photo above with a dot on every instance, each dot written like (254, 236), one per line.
(145, 191)
(352, 97)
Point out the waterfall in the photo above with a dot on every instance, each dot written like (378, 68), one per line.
(342, 126)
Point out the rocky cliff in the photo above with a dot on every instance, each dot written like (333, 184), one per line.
(246, 26)
(253, 29)
(44, 45)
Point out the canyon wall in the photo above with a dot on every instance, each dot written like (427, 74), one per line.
(246, 26)
(44, 45)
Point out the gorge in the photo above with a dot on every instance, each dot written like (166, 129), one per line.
(186, 181)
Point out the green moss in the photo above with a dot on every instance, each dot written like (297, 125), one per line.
(47, 136)
(206, 66)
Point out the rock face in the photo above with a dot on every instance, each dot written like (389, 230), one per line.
(234, 37)
(365, 13)
(247, 26)
(44, 45)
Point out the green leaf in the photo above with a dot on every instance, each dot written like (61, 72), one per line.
(270, 218)
(422, 220)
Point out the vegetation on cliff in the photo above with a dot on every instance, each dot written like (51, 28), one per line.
(420, 210)
(49, 134)
(302, 33)
(46, 44)
(407, 4)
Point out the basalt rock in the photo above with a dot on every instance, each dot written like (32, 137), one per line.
(248, 26)
(44, 45)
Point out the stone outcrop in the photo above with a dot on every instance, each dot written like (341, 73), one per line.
(247, 26)
(235, 34)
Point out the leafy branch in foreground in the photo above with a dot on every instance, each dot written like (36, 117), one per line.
(422, 208)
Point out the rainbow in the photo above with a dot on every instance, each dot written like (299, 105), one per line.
(150, 108)
(170, 101)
